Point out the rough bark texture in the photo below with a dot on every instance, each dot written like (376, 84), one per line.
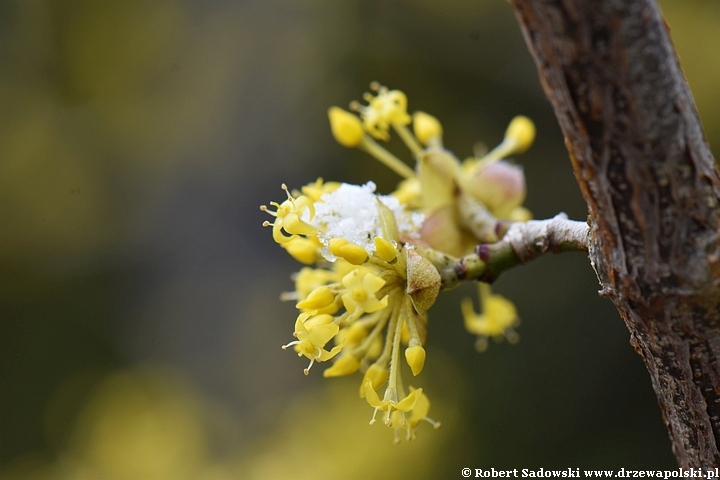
(646, 171)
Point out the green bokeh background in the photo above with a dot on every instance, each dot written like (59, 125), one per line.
(140, 325)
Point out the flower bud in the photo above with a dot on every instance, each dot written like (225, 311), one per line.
(426, 128)
(356, 333)
(521, 133)
(304, 250)
(319, 298)
(354, 254)
(415, 357)
(345, 365)
(499, 185)
(385, 250)
(346, 127)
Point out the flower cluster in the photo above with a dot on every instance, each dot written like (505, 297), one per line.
(374, 259)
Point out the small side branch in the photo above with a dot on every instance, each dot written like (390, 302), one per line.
(524, 241)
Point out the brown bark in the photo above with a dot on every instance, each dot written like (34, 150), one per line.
(651, 184)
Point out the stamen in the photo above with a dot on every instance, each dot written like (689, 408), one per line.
(288, 296)
(307, 370)
(372, 420)
(481, 344)
(290, 197)
(432, 422)
(285, 347)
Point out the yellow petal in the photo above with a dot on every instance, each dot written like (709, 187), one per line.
(349, 303)
(371, 395)
(377, 375)
(421, 409)
(372, 304)
(372, 283)
(408, 403)
(325, 355)
(292, 224)
(322, 334)
(316, 320)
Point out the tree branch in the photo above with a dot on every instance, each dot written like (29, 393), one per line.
(640, 157)
(523, 241)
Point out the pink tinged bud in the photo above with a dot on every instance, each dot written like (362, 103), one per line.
(499, 185)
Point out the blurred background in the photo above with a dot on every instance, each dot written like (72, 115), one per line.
(140, 320)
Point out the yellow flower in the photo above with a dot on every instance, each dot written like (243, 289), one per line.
(360, 292)
(418, 414)
(388, 107)
(288, 217)
(316, 190)
(389, 405)
(311, 341)
(497, 319)
(378, 257)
